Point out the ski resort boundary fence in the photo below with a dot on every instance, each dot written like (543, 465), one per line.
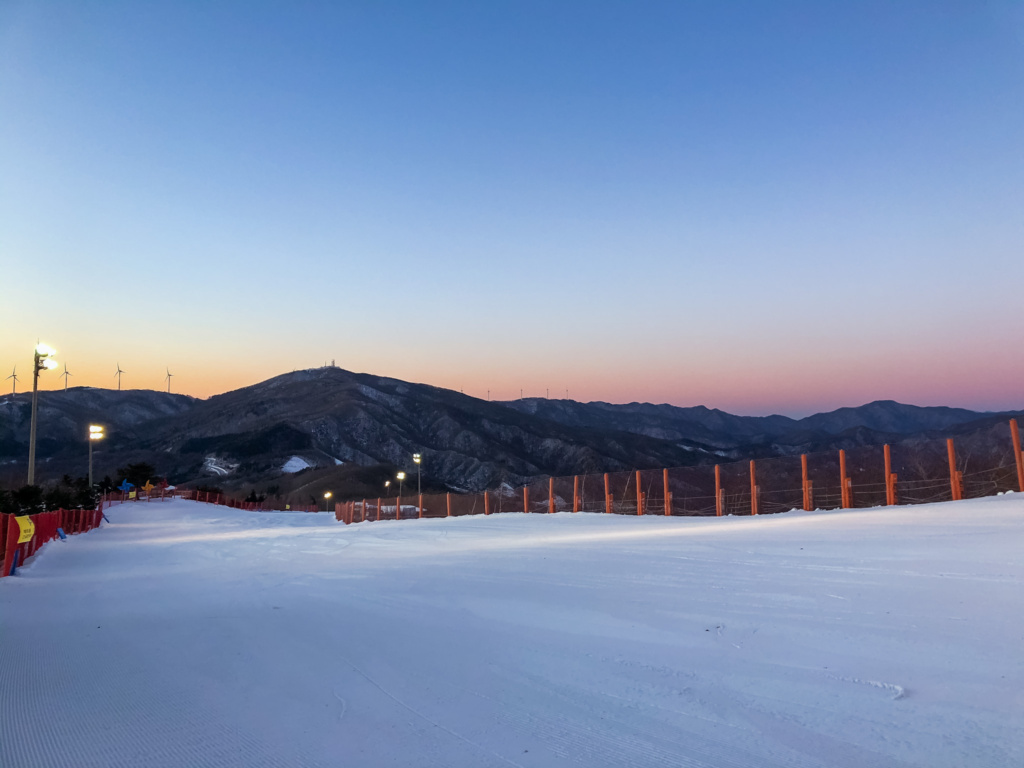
(863, 476)
(46, 526)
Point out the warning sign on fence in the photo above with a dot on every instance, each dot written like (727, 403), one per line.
(28, 529)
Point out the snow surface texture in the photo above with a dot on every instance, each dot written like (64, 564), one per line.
(188, 634)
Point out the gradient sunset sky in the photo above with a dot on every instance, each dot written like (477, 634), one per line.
(765, 207)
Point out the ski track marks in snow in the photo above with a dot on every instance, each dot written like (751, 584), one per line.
(187, 634)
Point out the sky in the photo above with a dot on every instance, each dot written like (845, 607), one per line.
(780, 207)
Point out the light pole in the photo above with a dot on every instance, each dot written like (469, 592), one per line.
(401, 480)
(95, 433)
(418, 460)
(387, 484)
(43, 361)
(327, 501)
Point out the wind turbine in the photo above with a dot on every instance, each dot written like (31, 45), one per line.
(65, 375)
(168, 380)
(118, 374)
(14, 389)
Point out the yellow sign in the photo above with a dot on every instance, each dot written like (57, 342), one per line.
(28, 529)
(131, 494)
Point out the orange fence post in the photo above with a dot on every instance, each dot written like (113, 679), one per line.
(668, 493)
(753, 489)
(378, 509)
(364, 511)
(718, 491)
(576, 493)
(398, 507)
(551, 495)
(639, 495)
(890, 488)
(421, 506)
(1015, 435)
(844, 486)
(808, 502)
(487, 503)
(526, 499)
(449, 500)
(955, 478)
(607, 496)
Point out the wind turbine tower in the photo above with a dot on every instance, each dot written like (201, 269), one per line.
(118, 374)
(65, 375)
(168, 380)
(14, 387)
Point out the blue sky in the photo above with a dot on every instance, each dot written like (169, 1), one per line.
(756, 206)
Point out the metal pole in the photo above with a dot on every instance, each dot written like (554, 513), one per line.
(32, 429)
(419, 485)
(90, 461)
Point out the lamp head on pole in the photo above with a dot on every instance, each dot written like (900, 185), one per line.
(400, 476)
(96, 432)
(416, 458)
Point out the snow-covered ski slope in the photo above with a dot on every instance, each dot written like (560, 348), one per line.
(184, 634)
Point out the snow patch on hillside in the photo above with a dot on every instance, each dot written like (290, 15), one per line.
(296, 464)
(219, 467)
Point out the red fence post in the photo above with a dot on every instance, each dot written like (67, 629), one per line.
(526, 498)
(421, 506)
(890, 484)
(668, 493)
(955, 479)
(378, 509)
(551, 495)
(844, 486)
(808, 502)
(753, 489)
(576, 493)
(398, 507)
(607, 495)
(639, 495)
(1017, 455)
(719, 498)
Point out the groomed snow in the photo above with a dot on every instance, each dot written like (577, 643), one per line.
(185, 634)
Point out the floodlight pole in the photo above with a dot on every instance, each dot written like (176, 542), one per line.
(36, 363)
(91, 441)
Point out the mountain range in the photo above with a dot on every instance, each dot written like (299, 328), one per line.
(328, 427)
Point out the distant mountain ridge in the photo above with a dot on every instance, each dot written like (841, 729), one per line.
(330, 419)
(723, 429)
